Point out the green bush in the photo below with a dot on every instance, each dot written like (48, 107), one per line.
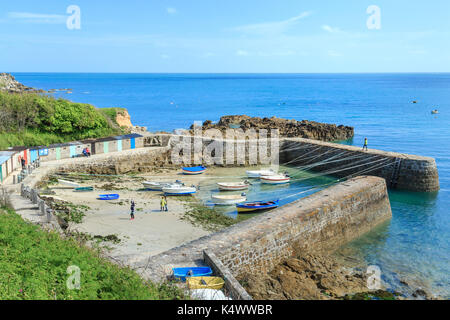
(32, 119)
(33, 265)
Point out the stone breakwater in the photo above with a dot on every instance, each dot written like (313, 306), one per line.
(287, 128)
(401, 171)
(319, 222)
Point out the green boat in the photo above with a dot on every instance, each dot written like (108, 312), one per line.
(84, 189)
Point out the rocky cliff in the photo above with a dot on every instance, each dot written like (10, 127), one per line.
(286, 127)
(10, 84)
(123, 118)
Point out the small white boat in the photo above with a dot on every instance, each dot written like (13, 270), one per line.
(178, 190)
(260, 173)
(275, 179)
(68, 183)
(158, 186)
(435, 112)
(233, 186)
(228, 199)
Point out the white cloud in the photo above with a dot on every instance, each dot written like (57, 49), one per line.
(333, 53)
(208, 54)
(30, 17)
(274, 27)
(171, 10)
(242, 53)
(330, 29)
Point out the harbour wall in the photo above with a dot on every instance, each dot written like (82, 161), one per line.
(401, 171)
(321, 221)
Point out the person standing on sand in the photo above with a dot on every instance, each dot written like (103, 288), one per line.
(365, 145)
(162, 204)
(133, 205)
(165, 203)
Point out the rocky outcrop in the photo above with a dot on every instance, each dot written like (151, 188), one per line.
(306, 277)
(287, 128)
(123, 118)
(10, 84)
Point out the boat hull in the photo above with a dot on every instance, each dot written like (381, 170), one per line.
(183, 273)
(215, 283)
(272, 180)
(68, 183)
(193, 170)
(223, 200)
(108, 197)
(231, 187)
(84, 189)
(157, 186)
(256, 206)
(179, 191)
(259, 173)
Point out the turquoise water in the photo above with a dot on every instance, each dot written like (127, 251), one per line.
(416, 243)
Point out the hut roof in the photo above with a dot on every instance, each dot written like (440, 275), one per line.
(5, 156)
(128, 136)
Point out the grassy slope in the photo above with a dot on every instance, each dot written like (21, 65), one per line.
(33, 265)
(34, 119)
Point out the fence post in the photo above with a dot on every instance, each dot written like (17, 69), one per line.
(41, 204)
(49, 214)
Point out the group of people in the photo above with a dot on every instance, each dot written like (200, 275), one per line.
(86, 152)
(163, 203)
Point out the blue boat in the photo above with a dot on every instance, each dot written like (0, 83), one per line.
(108, 197)
(182, 273)
(193, 170)
(257, 206)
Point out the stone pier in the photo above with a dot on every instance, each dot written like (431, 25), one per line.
(321, 221)
(401, 171)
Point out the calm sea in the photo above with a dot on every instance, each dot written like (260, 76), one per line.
(415, 245)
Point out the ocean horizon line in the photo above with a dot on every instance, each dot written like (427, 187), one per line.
(230, 73)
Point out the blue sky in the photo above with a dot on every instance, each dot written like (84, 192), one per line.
(225, 36)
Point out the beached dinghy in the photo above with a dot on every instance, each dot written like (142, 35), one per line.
(158, 186)
(216, 283)
(68, 183)
(228, 199)
(260, 173)
(182, 273)
(257, 206)
(233, 186)
(84, 189)
(276, 179)
(178, 190)
(108, 197)
(193, 170)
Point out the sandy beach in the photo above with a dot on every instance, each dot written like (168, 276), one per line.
(150, 233)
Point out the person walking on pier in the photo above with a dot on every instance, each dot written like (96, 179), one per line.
(365, 145)
(133, 205)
